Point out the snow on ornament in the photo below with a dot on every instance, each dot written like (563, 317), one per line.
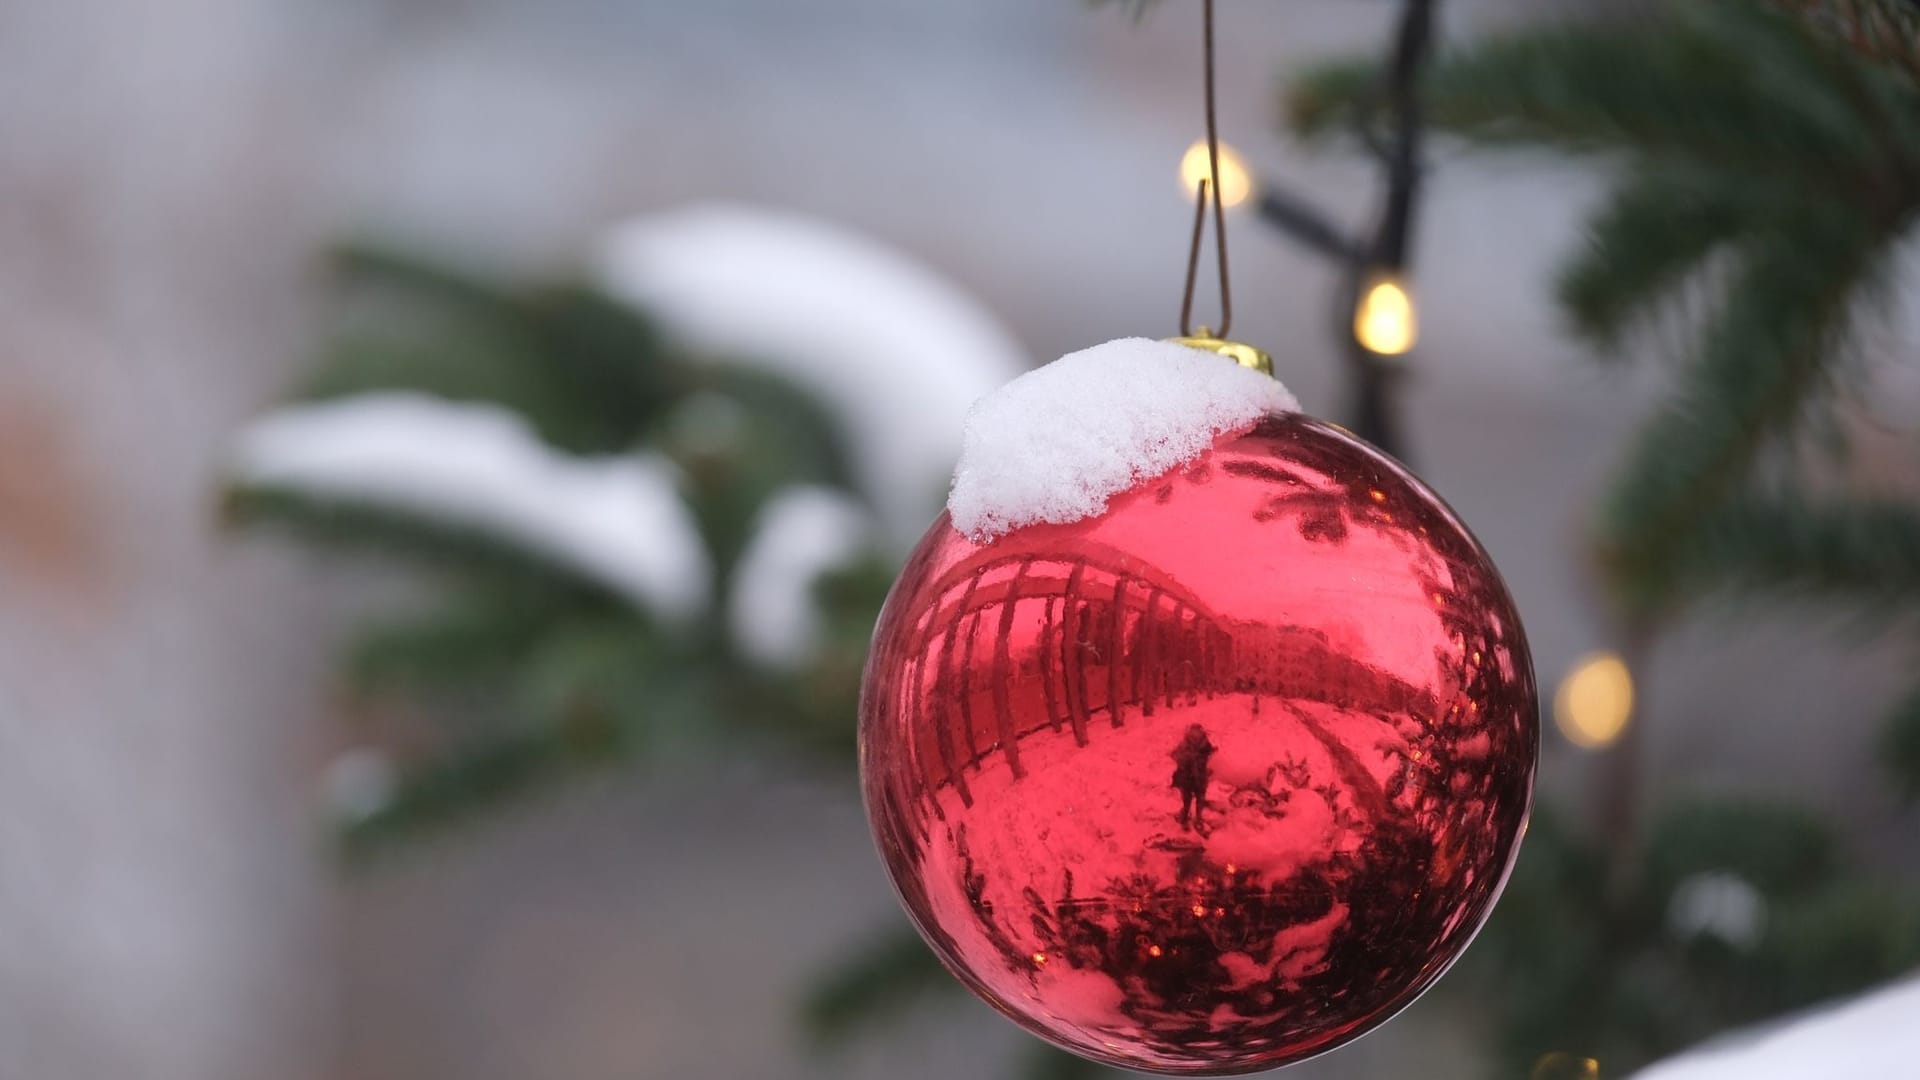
(1197, 735)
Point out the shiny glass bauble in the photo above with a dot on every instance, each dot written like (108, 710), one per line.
(1213, 781)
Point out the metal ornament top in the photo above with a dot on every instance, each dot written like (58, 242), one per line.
(1239, 352)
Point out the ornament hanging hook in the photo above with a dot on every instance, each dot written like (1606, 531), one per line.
(1209, 187)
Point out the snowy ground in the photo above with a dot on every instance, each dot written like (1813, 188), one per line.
(1104, 817)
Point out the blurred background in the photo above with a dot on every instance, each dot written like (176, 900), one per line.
(451, 453)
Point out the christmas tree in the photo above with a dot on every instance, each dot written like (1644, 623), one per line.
(1763, 158)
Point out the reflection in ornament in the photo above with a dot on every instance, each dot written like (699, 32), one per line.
(1190, 777)
(1335, 674)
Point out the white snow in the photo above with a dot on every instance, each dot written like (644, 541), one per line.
(893, 349)
(617, 520)
(1874, 1035)
(801, 533)
(1055, 444)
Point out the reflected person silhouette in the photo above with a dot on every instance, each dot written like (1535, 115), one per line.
(1190, 775)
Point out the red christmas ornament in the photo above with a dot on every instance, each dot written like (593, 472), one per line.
(1217, 779)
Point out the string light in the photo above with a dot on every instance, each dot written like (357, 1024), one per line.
(1236, 183)
(1384, 321)
(1595, 701)
(1564, 1066)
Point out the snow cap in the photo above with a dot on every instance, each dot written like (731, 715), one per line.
(1056, 443)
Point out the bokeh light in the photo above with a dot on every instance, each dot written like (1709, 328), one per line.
(1564, 1066)
(1384, 321)
(1595, 701)
(1236, 183)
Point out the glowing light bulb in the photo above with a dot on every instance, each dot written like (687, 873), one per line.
(1384, 320)
(1563, 1066)
(1594, 701)
(1235, 182)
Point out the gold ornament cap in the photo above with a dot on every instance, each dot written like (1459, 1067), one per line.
(1239, 352)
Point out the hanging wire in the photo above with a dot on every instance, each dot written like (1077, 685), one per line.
(1209, 186)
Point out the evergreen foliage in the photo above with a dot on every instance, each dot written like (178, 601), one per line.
(1765, 156)
(529, 670)
(1572, 964)
(1768, 154)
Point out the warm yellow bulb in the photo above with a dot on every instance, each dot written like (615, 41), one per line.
(1383, 321)
(1595, 701)
(1560, 1066)
(1235, 182)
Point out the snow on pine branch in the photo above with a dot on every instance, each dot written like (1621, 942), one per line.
(801, 533)
(893, 349)
(618, 521)
(1055, 444)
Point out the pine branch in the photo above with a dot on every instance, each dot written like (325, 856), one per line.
(607, 349)
(347, 524)
(739, 441)
(477, 635)
(592, 690)
(1329, 98)
(815, 445)
(462, 783)
(1865, 554)
(1768, 356)
(587, 370)
(455, 360)
(877, 982)
(814, 710)
(1726, 85)
(1850, 935)
(367, 262)
(1655, 231)
(587, 694)
(1748, 131)
(1883, 31)
(1900, 745)
(1780, 850)
(644, 690)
